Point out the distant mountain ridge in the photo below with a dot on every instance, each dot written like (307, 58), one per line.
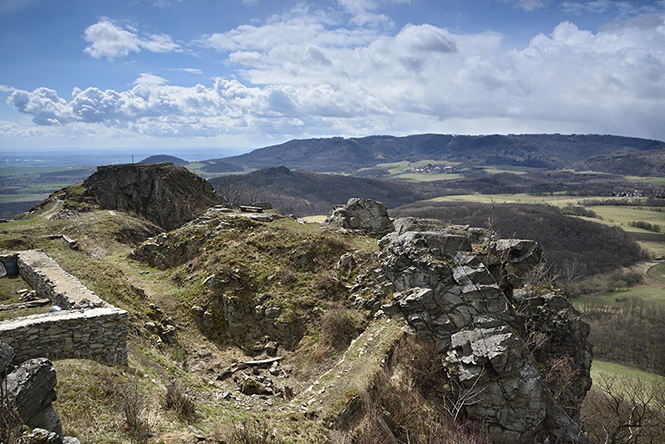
(604, 153)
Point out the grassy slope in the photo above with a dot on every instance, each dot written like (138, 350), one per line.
(603, 368)
(86, 389)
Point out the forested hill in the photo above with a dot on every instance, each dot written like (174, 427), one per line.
(305, 193)
(611, 154)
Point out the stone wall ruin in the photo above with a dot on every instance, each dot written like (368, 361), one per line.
(86, 328)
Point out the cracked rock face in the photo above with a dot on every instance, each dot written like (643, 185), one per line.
(448, 295)
(166, 195)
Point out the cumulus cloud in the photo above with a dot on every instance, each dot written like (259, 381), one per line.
(5, 88)
(110, 40)
(307, 74)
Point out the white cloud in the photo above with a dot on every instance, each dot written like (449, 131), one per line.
(109, 40)
(308, 74)
(195, 71)
(5, 88)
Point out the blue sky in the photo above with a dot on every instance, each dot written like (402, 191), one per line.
(242, 74)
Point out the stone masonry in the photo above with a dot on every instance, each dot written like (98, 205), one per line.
(50, 281)
(87, 328)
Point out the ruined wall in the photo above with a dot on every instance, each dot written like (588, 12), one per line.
(50, 281)
(99, 334)
(87, 328)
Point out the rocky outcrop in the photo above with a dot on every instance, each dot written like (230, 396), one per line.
(30, 389)
(498, 333)
(166, 195)
(361, 214)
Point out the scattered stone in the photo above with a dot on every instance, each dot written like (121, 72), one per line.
(271, 348)
(65, 213)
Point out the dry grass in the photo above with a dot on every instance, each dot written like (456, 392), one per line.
(404, 405)
(179, 402)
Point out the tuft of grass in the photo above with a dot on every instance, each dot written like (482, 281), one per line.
(179, 402)
(257, 431)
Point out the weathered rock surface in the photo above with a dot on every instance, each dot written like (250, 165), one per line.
(6, 356)
(166, 195)
(31, 389)
(361, 214)
(498, 334)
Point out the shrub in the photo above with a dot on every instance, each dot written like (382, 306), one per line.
(132, 404)
(623, 410)
(407, 402)
(644, 226)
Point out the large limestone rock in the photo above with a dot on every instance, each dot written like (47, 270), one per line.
(166, 195)
(361, 214)
(448, 294)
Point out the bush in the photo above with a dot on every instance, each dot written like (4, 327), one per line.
(644, 226)
(408, 402)
(132, 403)
(623, 410)
(578, 210)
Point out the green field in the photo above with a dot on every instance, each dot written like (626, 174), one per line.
(648, 294)
(522, 198)
(599, 368)
(14, 171)
(657, 272)
(621, 216)
(6, 198)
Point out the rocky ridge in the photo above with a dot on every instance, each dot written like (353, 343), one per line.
(513, 347)
(162, 193)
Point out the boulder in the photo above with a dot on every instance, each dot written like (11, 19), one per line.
(362, 214)
(47, 419)
(448, 290)
(32, 389)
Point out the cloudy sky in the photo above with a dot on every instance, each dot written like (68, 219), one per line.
(242, 74)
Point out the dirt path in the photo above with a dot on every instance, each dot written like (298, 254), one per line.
(57, 206)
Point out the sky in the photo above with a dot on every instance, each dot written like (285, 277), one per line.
(235, 75)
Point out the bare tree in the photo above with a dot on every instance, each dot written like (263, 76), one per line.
(234, 191)
(625, 411)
